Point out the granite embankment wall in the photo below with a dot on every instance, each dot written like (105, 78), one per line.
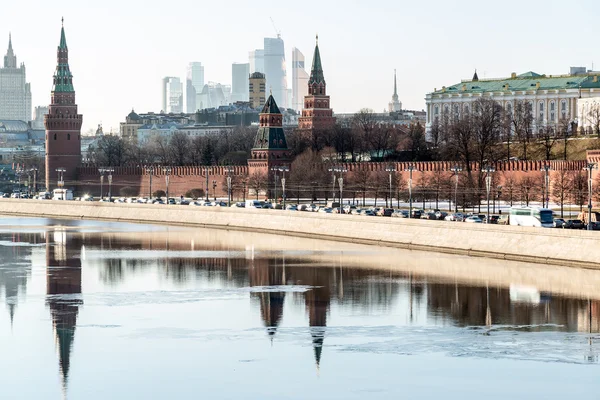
(549, 246)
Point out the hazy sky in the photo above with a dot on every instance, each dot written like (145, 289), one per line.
(120, 50)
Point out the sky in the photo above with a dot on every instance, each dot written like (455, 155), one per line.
(120, 50)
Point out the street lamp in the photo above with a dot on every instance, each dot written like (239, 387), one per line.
(332, 170)
(488, 184)
(390, 169)
(546, 169)
(110, 177)
(456, 170)
(590, 167)
(340, 180)
(167, 171)
(229, 171)
(410, 170)
(150, 171)
(283, 169)
(34, 170)
(207, 184)
(61, 180)
(101, 171)
(215, 189)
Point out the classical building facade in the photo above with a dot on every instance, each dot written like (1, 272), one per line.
(15, 92)
(552, 98)
(63, 123)
(317, 113)
(395, 105)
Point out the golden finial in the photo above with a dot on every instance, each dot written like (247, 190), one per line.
(62, 21)
(317, 39)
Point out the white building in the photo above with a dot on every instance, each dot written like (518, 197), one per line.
(299, 80)
(194, 85)
(15, 92)
(240, 74)
(553, 98)
(146, 133)
(172, 101)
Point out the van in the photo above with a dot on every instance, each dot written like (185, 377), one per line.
(254, 204)
(62, 194)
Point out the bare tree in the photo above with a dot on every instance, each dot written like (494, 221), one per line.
(560, 187)
(179, 149)
(579, 188)
(258, 182)
(522, 123)
(593, 117)
(548, 138)
(362, 178)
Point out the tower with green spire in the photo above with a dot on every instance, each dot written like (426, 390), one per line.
(317, 114)
(63, 123)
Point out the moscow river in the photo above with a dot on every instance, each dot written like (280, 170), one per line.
(97, 310)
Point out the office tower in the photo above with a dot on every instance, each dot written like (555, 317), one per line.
(256, 60)
(15, 92)
(194, 85)
(257, 90)
(239, 82)
(299, 80)
(172, 101)
(275, 69)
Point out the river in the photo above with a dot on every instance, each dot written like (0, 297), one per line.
(98, 310)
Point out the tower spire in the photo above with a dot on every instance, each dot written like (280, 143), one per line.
(395, 84)
(316, 72)
(9, 41)
(10, 60)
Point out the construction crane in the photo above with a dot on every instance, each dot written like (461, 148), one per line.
(277, 31)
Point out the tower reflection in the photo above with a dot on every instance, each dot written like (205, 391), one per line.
(63, 290)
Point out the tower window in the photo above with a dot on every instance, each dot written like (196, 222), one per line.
(68, 136)
(55, 136)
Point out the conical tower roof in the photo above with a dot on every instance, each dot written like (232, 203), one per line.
(63, 79)
(270, 106)
(316, 72)
(475, 77)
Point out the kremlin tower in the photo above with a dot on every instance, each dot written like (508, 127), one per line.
(317, 114)
(63, 124)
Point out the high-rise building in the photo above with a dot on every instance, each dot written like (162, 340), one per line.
(395, 105)
(299, 80)
(275, 69)
(239, 82)
(15, 92)
(38, 117)
(257, 89)
(63, 124)
(256, 60)
(172, 99)
(194, 85)
(317, 114)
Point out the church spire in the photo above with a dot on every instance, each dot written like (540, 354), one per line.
(475, 77)
(10, 60)
(316, 72)
(395, 96)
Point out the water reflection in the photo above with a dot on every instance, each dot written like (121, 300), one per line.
(281, 277)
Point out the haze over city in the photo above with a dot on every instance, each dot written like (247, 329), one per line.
(120, 51)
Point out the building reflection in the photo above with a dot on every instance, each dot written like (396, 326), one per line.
(63, 293)
(15, 267)
(269, 274)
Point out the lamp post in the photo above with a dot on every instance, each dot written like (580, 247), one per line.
(340, 170)
(488, 185)
(410, 170)
(207, 184)
(34, 170)
(110, 177)
(150, 171)
(332, 170)
(546, 169)
(274, 169)
(456, 170)
(390, 169)
(61, 181)
(101, 170)
(229, 171)
(215, 189)
(167, 171)
(590, 167)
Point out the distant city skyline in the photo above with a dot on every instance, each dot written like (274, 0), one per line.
(430, 47)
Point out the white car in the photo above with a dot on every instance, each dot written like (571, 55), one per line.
(474, 220)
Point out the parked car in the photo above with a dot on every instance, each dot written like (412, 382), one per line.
(416, 214)
(504, 219)
(574, 224)
(494, 219)
(558, 222)
(473, 219)
(326, 210)
(385, 212)
(239, 204)
(595, 226)
(400, 214)
(456, 217)
(369, 213)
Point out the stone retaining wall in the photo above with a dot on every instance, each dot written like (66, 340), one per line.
(550, 246)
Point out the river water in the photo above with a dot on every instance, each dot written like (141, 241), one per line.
(96, 310)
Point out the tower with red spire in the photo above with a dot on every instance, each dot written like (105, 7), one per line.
(63, 123)
(317, 114)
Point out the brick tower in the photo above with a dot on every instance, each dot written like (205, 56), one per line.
(63, 123)
(317, 114)
(270, 146)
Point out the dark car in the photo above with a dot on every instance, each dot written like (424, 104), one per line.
(595, 226)
(558, 222)
(494, 219)
(416, 214)
(574, 224)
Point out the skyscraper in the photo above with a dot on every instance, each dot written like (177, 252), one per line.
(275, 69)
(239, 82)
(257, 90)
(299, 80)
(172, 98)
(194, 85)
(15, 92)
(395, 104)
(256, 60)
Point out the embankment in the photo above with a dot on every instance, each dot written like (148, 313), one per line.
(548, 246)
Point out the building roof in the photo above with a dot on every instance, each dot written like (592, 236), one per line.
(316, 72)
(270, 106)
(524, 82)
(133, 116)
(10, 126)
